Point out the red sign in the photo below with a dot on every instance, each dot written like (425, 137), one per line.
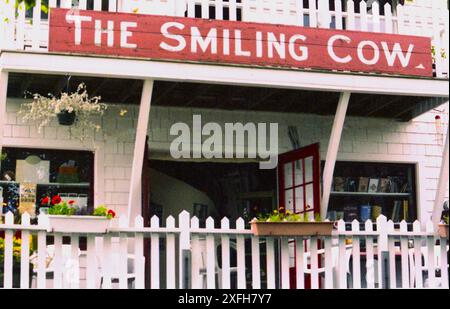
(200, 40)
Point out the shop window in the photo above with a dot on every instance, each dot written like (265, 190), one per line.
(27, 176)
(364, 191)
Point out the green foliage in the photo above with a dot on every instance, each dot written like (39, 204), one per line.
(446, 219)
(102, 211)
(3, 156)
(29, 4)
(62, 209)
(285, 216)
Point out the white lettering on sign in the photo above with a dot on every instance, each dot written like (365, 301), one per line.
(125, 34)
(77, 19)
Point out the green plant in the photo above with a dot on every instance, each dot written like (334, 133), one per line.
(446, 219)
(62, 209)
(102, 211)
(3, 156)
(279, 215)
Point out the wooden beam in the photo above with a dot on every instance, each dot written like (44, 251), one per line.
(442, 185)
(134, 201)
(3, 97)
(333, 148)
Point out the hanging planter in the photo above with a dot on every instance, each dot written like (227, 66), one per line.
(66, 118)
(75, 109)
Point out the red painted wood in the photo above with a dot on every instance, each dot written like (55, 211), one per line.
(148, 38)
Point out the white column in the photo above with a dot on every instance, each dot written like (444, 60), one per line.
(3, 96)
(442, 186)
(134, 201)
(333, 147)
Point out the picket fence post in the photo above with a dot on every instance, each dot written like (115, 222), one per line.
(383, 252)
(139, 259)
(185, 246)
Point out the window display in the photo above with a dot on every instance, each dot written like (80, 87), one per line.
(363, 191)
(29, 177)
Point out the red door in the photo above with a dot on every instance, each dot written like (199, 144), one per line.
(299, 186)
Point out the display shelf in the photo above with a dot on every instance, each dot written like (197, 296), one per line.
(52, 184)
(337, 193)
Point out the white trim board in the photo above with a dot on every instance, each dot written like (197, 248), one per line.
(40, 63)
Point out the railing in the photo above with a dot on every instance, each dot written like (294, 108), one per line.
(21, 30)
(188, 256)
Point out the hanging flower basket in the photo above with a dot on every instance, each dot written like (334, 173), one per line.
(292, 228)
(65, 118)
(443, 230)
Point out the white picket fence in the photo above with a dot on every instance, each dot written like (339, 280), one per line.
(20, 30)
(220, 256)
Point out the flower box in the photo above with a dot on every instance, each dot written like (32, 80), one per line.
(78, 224)
(443, 230)
(292, 228)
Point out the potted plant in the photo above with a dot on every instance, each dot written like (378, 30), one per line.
(65, 217)
(76, 109)
(443, 228)
(17, 247)
(286, 223)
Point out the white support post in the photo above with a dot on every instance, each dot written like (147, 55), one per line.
(333, 147)
(3, 96)
(442, 186)
(134, 201)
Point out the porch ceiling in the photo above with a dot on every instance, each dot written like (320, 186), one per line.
(128, 91)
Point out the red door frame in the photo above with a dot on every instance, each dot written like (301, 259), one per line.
(292, 157)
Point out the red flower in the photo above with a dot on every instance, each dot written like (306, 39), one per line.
(56, 200)
(45, 200)
(71, 202)
(112, 213)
